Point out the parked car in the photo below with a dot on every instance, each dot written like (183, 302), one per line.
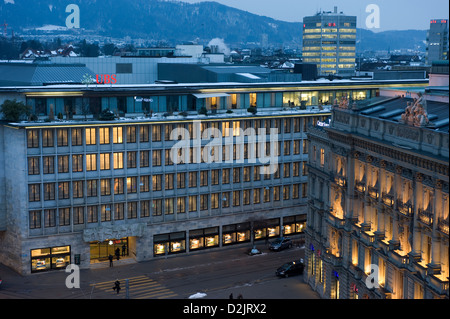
(291, 269)
(280, 244)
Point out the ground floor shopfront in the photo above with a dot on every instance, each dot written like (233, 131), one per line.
(143, 242)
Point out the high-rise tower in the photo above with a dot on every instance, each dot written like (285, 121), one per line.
(329, 39)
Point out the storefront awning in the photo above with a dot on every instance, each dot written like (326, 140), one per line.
(206, 95)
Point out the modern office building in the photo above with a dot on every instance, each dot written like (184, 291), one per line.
(437, 41)
(378, 190)
(76, 189)
(329, 40)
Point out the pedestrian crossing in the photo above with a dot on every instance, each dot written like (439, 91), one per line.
(140, 287)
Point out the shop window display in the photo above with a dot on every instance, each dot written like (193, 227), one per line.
(203, 238)
(169, 243)
(49, 258)
(237, 233)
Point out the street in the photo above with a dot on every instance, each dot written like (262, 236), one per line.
(206, 275)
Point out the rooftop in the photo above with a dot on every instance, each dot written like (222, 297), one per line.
(32, 74)
(391, 109)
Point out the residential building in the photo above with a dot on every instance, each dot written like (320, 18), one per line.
(329, 40)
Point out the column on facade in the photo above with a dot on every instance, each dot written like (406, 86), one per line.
(380, 232)
(416, 200)
(435, 240)
(349, 196)
(395, 230)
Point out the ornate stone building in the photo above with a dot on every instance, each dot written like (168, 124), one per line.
(378, 188)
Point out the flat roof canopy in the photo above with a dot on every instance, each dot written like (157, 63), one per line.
(206, 95)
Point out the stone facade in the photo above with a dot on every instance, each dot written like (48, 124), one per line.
(378, 209)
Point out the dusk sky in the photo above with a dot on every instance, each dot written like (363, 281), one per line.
(394, 14)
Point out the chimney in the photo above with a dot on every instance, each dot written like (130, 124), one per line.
(335, 9)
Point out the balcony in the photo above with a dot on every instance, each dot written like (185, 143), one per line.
(335, 221)
(339, 180)
(399, 258)
(368, 238)
(439, 284)
(335, 260)
(360, 187)
(443, 225)
(387, 199)
(426, 216)
(405, 208)
(373, 192)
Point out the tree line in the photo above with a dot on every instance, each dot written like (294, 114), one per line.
(12, 48)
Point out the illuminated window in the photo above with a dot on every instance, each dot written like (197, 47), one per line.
(117, 135)
(104, 135)
(253, 99)
(47, 138)
(311, 60)
(48, 164)
(225, 129)
(256, 196)
(131, 134)
(33, 165)
(193, 203)
(91, 162)
(312, 36)
(77, 163)
(169, 181)
(181, 205)
(105, 161)
(62, 136)
(32, 138)
(169, 206)
(90, 136)
(156, 157)
(322, 157)
(236, 128)
(131, 184)
(156, 133)
(118, 160)
(119, 211)
(105, 212)
(346, 66)
(77, 189)
(156, 182)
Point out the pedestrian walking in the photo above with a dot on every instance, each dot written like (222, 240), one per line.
(240, 296)
(124, 249)
(110, 257)
(118, 253)
(231, 296)
(117, 286)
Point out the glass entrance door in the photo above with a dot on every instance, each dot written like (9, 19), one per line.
(101, 250)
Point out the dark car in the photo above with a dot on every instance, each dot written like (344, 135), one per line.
(280, 244)
(291, 269)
